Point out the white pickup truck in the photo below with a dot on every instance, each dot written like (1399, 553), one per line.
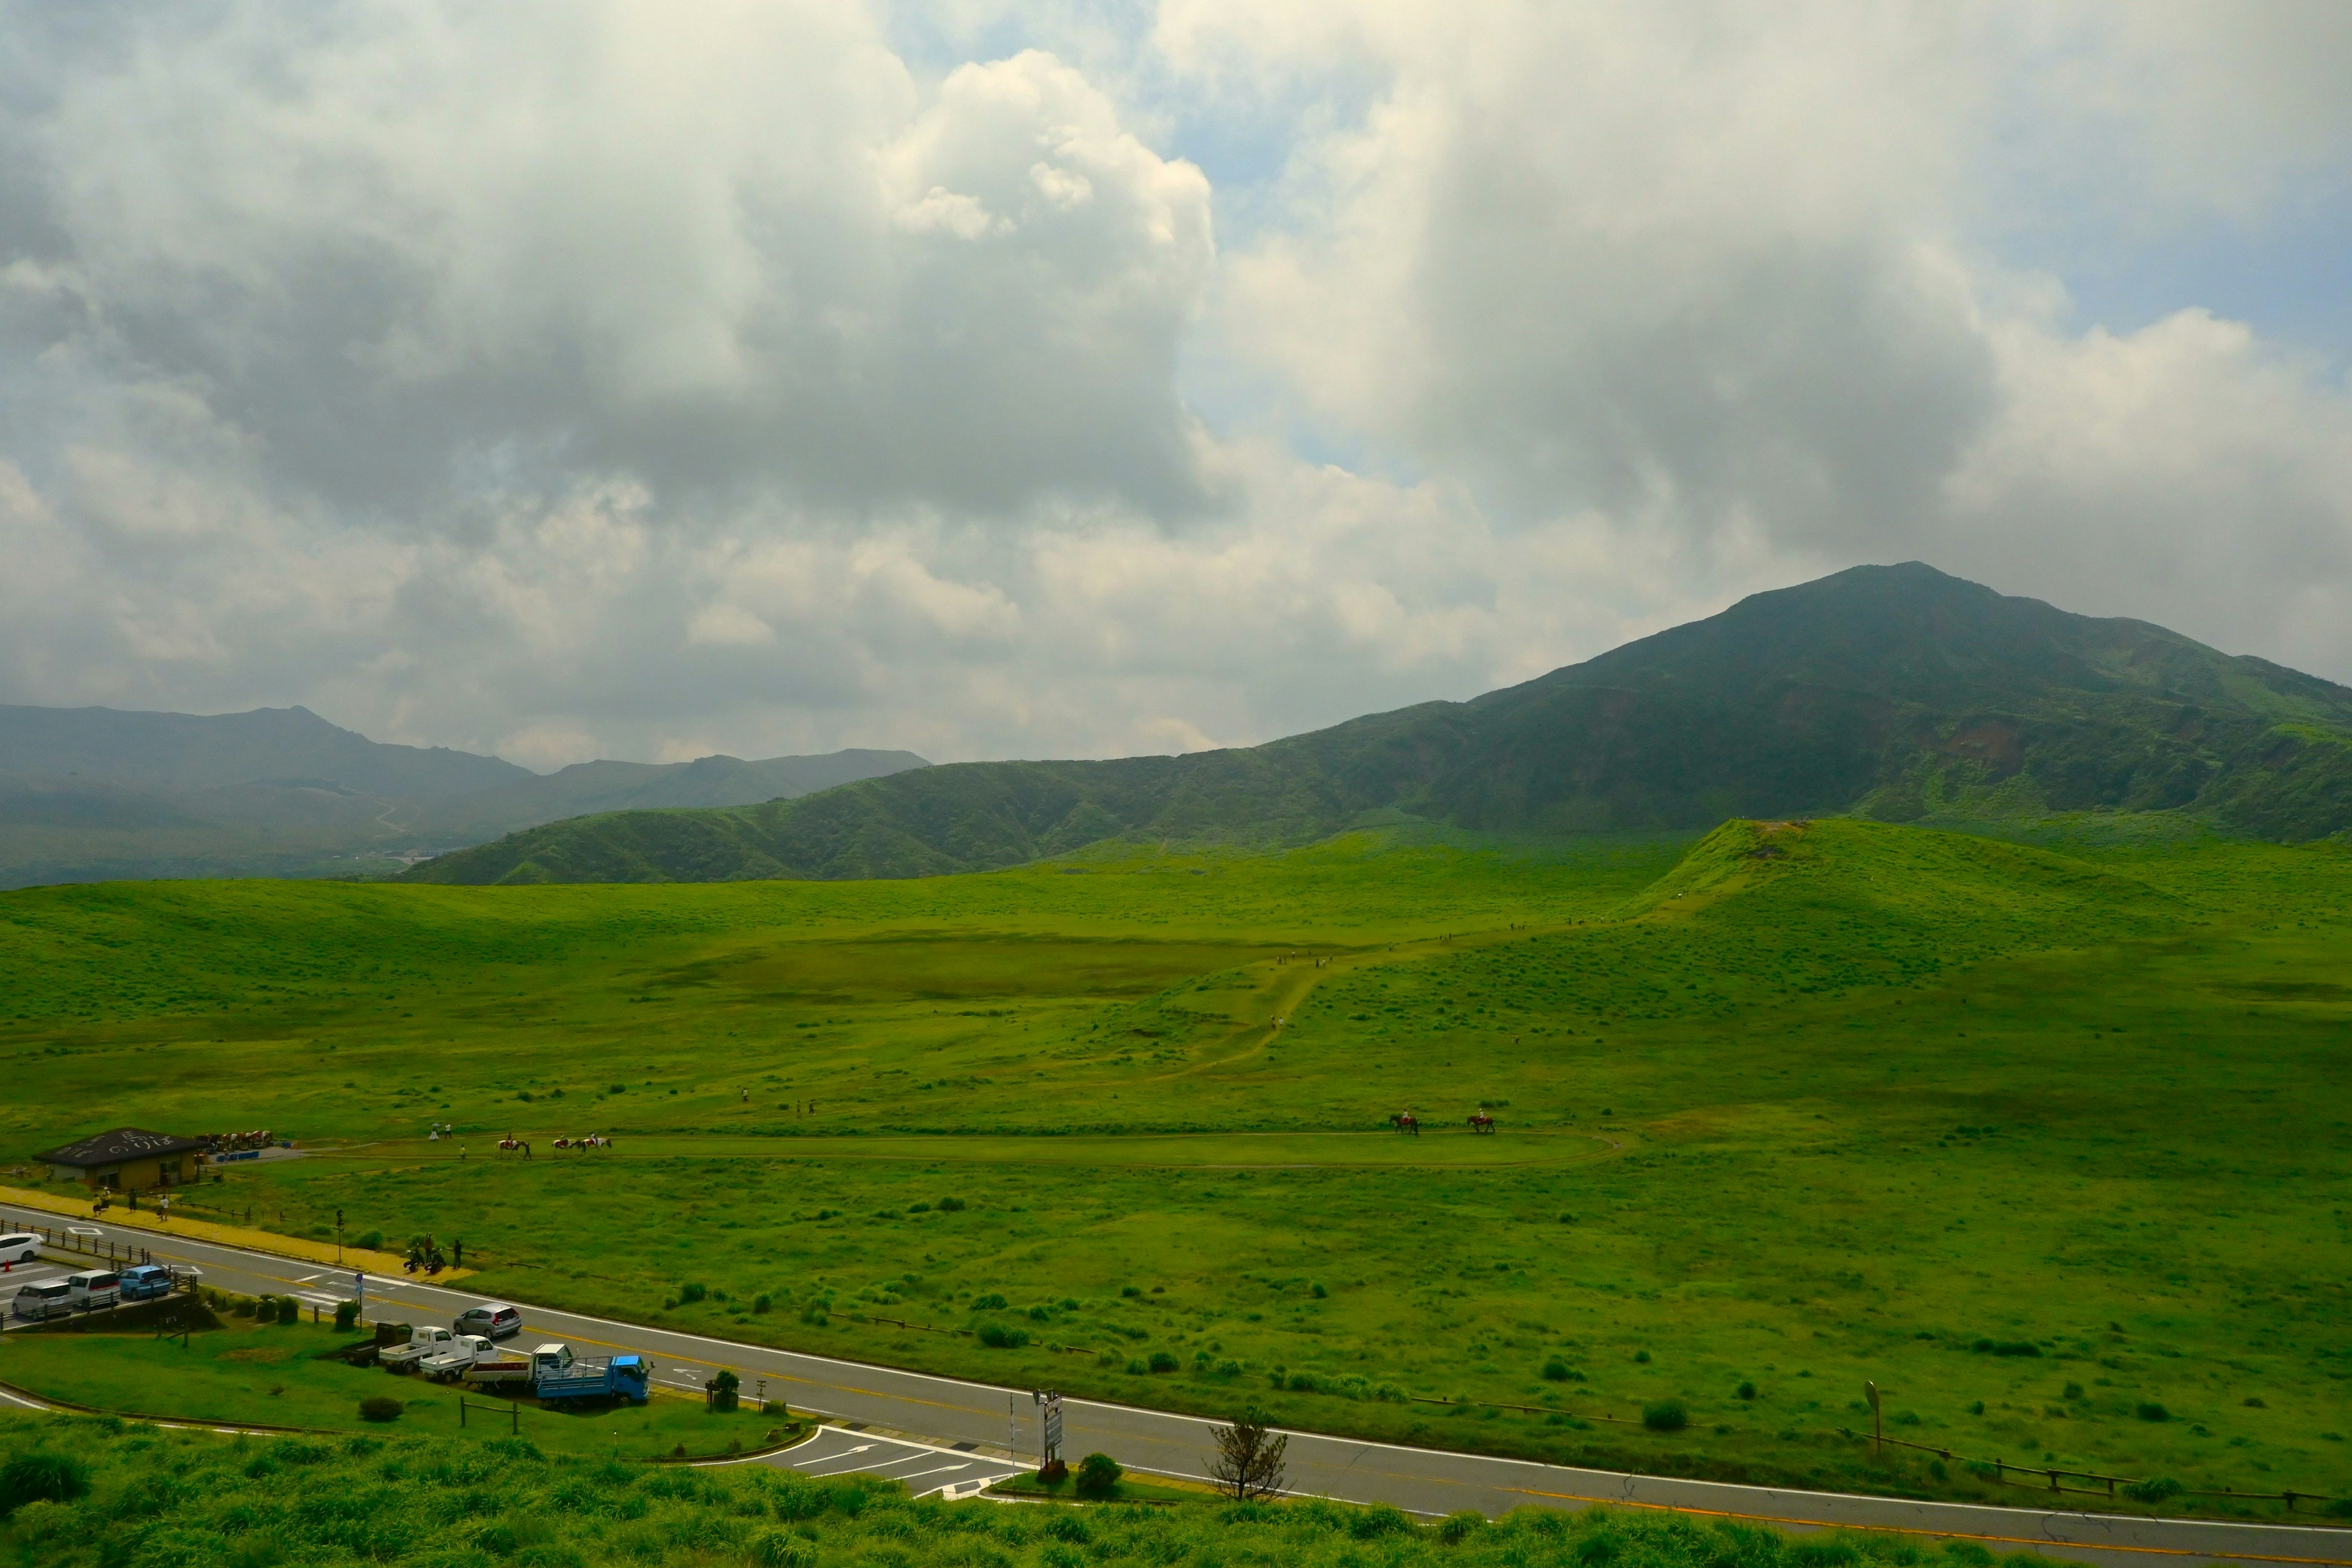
(421, 1342)
(453, 1359)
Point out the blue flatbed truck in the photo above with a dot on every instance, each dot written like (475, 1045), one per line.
(557, 1373)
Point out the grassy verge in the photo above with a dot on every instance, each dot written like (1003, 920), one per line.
(271, 1375)
(1130, 1489)
(86, 1493)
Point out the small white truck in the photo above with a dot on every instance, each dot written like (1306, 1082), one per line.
(423, 1340)
(453, 1359)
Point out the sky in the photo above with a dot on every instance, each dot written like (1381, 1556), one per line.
(994, 379)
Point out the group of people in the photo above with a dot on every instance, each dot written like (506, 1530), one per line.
(424, 1256)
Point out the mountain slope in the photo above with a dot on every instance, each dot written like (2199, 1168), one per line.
(1898, 692)
(90, 793)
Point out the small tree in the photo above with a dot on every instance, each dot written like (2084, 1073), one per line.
(1098, 1474)
(290, 1310)
(722, 1391)
(347, 1316)
(1248, 1462)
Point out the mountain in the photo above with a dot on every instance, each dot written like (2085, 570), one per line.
(1896, 692)
(92, 794)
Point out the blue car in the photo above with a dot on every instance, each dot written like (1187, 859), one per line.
(146, 1281)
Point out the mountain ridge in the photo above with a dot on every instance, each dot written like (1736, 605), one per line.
(1898, 692)
(99, 793)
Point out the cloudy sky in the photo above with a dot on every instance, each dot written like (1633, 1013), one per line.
(992, 379)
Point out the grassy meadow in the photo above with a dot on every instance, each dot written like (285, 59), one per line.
(2044, 1138)
(81, 1493)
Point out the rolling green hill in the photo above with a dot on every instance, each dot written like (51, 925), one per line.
(1896, 692)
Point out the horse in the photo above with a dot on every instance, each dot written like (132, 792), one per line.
(1482, 1122)
(1405, 1122)
(510, 1143)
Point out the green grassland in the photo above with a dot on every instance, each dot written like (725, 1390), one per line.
(272, 1375)
(2034, 1135)
(79, 1493)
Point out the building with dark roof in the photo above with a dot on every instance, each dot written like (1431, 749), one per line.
(129, 1159)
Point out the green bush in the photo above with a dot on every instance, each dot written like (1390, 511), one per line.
(39, 1477)
(347, 1316)
(1747, 1391)
(1665, 1415)
(687, 1294)
(290, 1310)
(379, 1408)
(2006, 1347)
(991, 1302)
(1164, 1360)
(2157, 1489)
(2151, 1411)
(762, 1302)
(996, 1336)
(952, 1205)
(370, 1239)
(1554, 1370)
(774, 1548)
(1097, 1475)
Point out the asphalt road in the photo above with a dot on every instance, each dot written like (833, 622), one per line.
(973, 1422)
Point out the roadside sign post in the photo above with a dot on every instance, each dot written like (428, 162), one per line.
(1877, 1426)
(1049, 1440)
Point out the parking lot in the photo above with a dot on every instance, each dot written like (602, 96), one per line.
(923, 1470)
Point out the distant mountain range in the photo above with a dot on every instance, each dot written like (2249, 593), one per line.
(1896, 692)
(92, 794)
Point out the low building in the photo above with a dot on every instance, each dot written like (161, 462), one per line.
(127, 1160)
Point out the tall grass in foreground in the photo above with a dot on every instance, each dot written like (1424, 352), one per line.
(78, 1493)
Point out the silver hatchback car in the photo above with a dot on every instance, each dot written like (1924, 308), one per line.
(492, 1319)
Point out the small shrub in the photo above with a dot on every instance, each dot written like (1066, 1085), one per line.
(347, 1316)
(919, 1209)
(370, 1239)
(2255, 1402)
(41, 1478)
(1665, 1415)
(2158, 1488)
(2074, 1391)
(1098, 1474)
(688, 1294)
(1163, 1361)
(1228, 1368)
(379, 1408)
(1747, 1391)
(774, 1548)
(1641, 1356)
(1317, 1290)
(1303, 1383)
(290, 1310)
(1135, 1368)
(952, 1205)
(1554, 1370)
(1130, 1290)
(996, 1336)
(1455, 1528)
(2006, 1347)
(2151, 1411)
(762, 1302)
(991, 1302)
(1967, 1553)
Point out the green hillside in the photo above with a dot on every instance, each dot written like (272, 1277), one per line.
(1896, 692)
(1793, 1104)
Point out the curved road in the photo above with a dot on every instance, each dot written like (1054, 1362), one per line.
(977, 1419)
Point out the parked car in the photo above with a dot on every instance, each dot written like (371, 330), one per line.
(45, 1298)
(422, 1342)
(93, 1287)
(145, 1281)
(491, 1319)
(20, 1247)
(455, 1356)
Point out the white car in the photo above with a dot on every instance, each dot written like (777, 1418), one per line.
(20, 1247)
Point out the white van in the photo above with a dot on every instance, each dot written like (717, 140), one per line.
(20, 1247)
(92, 1289)
(46, 1298)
